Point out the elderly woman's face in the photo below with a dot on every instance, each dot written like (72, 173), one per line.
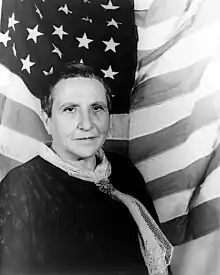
(80, 119)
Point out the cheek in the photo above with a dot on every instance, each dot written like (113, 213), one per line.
(63, 127)
(103, 125)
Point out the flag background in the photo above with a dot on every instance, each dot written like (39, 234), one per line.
(174, 125)
(170, 130)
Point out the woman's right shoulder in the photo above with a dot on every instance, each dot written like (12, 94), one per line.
(21, 174)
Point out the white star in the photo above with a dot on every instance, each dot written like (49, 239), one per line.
(39, 13)
(4, 38)
(59, 31)
(48, 72)
(14, 50)
(84, 41)
(110, 45)
(34, 33)
(113, 23)
(65, 9)
(27, 64)
(12, 22)
(81, 61)
(87, 19)
(56, 50)
(109, 73)
(110, 6)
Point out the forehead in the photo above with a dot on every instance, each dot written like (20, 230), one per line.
(79, 90)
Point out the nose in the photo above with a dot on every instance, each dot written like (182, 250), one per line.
(85, 121)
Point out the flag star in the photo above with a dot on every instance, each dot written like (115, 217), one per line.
(4, 38)
(84, 41)
(59, 31)
(110, 45)
(34, 33)
(48, 72)
(38, 12)
(65, 9)
(110, 6)
(14, 50)
(27, 64)
(12, 22)
(113, 23)
(56, 50)
(109, 73)
(87, 19)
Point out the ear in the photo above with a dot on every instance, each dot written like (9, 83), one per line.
(46, 121)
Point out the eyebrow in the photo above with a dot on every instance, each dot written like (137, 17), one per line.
(77, 105)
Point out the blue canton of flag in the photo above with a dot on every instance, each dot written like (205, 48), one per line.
(36, 35)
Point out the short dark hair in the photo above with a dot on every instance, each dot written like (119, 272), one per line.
(65, 71)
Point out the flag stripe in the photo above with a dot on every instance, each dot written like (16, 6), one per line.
(204, 113)
(119, 127)
(6, 164)
(196, 223)
(157, 33)
(17, 146)
(14, 88)
(162, 10)
(210, 189)
(175, 110)
(189, 50)
(164, 87)
(187, 178)
(173, 206)
(142, 4)
(176, 229)
(23, 120)
(203, 219)
(199, 144)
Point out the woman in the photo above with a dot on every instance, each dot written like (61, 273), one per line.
(73, 207)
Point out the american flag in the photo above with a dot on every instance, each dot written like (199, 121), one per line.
(36, 35)
(175, 125)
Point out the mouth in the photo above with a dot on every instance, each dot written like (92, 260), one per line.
(86, 138)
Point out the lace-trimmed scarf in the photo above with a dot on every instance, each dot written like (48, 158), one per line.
(155, 248)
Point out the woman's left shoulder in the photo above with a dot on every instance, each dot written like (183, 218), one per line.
(119, 160)
(128, 179)
(124, 172)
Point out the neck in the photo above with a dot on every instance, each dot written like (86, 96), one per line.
(88, 164)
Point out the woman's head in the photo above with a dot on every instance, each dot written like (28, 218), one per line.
(70, 70)
(76, 111)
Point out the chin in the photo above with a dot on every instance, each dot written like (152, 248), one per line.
(84, 154)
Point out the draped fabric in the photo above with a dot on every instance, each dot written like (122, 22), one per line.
(175, 120)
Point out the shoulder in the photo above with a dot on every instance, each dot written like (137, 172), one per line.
(21, 175)
(126, 174)
(121, 162)
(128, 179)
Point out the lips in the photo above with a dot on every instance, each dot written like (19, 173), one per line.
(86, 138)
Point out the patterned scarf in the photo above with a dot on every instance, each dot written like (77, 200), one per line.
(155, 248)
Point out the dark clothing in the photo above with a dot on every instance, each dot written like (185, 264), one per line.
(52, 222)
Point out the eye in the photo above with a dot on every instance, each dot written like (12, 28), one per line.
(70, 109)
(98, 108)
